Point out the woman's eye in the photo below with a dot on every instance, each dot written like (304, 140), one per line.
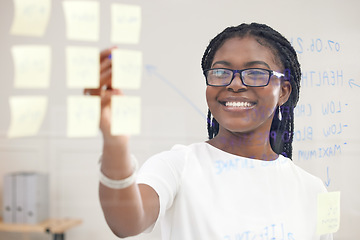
(256, 72)
(220, 73)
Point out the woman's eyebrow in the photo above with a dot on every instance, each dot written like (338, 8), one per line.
(252, 63)
(246, 65)
(222, 63)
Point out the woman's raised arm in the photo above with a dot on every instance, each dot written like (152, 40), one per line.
(130, 210)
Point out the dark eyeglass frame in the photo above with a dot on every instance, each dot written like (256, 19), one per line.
(271, 73)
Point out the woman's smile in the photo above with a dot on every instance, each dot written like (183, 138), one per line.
(236, 104)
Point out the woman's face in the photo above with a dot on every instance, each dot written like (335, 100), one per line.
(254, 106)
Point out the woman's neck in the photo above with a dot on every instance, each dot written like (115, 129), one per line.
(251, 144)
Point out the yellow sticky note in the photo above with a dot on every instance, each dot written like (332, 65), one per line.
(31, 66)
(27, 115)
(82, 67)
(31, 17)
(82, 20)
(125, 23)
(328, 212)
(83, 116)
(127, 69)
(125, 115)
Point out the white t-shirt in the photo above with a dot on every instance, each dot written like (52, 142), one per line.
(206, 193)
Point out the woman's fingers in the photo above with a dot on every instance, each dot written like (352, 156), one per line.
(102, 92)
(105, 78)
(105, 120)
(105, 73)
(105, 68)
(92, 91)
(105, 83)
(105, 53)
(105, 91)
(105, 64)
(107, 94)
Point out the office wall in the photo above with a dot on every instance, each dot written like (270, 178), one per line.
(174, 35)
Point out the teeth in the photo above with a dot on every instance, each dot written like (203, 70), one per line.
(238, 104)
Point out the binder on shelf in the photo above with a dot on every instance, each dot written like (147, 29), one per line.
(20, 193)
(26, 197)
(9, 198)
(37, 203)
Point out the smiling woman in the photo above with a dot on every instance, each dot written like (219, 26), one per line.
(261, 47)
(236, 106)
(239, 183)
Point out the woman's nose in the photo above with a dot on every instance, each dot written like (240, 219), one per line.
(236, 84)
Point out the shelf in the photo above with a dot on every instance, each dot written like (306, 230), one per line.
(53, 226)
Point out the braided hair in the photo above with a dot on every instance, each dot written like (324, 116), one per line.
(281, 131)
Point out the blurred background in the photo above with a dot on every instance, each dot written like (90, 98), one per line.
(48, 132)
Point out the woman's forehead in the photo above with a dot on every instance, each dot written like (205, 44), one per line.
(245, 49)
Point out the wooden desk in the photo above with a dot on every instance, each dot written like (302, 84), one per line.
(56, 227)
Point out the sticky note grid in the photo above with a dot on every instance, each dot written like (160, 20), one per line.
(127, 69)
(33, 63)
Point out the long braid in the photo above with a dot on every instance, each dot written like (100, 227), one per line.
(281, 132)
(212, 126)
(209, 126)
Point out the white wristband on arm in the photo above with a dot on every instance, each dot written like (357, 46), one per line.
(123, 183)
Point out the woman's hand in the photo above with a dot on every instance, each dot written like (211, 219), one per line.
(105, 91)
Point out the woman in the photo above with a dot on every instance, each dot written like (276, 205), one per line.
(241, 183)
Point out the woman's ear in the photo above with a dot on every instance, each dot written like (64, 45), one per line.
(285, 91)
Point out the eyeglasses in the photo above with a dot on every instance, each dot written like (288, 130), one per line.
(251, 77)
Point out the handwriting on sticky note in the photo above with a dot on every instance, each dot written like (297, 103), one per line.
(83, 116)
(127, 69)
(125, 23)
(27, 115)
(328, 212)
(82, 67)
(31, 17)
(31, 66)
(125, 115)
(82, 20)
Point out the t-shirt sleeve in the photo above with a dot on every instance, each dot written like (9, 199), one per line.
(162, 172)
